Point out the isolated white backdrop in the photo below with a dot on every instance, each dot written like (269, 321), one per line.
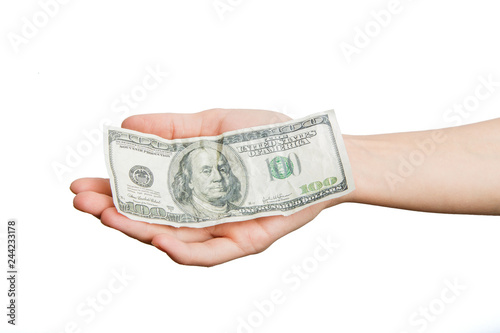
(66, 77)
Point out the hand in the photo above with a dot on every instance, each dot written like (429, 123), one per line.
(194, 246)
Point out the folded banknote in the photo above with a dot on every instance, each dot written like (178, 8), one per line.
(276, 169)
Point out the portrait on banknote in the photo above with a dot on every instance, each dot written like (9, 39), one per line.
(208, 180)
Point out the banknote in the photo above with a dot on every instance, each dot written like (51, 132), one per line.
(276, 169)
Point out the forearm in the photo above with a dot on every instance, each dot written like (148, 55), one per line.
(454, 170)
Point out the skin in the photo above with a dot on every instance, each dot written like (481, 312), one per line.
(210, 176)
(457, 174)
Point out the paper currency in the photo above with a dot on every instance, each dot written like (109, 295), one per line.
(276, 169)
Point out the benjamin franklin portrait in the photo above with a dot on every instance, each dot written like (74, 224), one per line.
(205, 185)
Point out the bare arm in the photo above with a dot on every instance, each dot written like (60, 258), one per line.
(454, 170)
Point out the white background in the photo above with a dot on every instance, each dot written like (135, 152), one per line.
(280, 55)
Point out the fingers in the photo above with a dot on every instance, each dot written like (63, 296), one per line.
(98, 185)
(93, 196)
(92, 202)
(209, 253)
(135, 229)
(145, 232)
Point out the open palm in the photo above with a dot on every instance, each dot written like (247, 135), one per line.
(194, 246)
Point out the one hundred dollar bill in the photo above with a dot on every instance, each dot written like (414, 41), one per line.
(276, 169)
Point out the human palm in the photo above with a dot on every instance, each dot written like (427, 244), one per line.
(194, 246)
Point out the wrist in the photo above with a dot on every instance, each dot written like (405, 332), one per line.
(368, 156)
(364, 157)
(355, 150)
